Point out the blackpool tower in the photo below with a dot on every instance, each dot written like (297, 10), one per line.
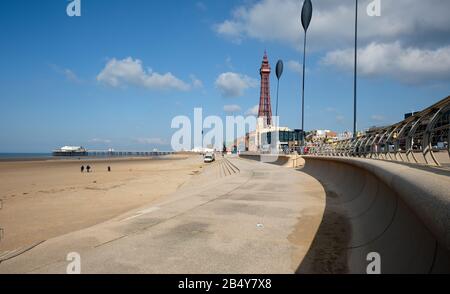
(265, 107)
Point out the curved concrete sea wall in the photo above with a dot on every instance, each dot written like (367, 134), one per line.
(281, 160)
(400, 212)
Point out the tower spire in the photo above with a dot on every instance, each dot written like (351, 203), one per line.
(265, 107)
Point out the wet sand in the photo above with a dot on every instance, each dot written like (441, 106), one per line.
(47, 198)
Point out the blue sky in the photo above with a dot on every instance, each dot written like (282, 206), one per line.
(118, 74)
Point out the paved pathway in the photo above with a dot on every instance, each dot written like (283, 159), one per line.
(238, 216)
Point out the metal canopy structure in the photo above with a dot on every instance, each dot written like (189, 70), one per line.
(417, 139)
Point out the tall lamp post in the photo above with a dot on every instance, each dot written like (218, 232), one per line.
(306, 20)
(355, 73)
(279, 72)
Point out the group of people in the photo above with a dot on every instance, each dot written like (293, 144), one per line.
(88, 168)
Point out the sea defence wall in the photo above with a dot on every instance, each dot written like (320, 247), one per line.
(292, 161)
(400, 213)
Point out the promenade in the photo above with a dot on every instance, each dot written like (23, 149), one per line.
(237, 216)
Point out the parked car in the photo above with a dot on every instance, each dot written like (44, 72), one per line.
(209, 157)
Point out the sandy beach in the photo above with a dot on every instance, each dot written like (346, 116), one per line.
(47, 198)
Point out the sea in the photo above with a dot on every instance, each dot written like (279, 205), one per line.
(44, 156)
(24, 156)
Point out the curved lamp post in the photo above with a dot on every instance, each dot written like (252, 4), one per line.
(279, 73)
(306, 20)
(355, 73)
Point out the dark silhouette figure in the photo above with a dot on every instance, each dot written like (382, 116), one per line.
(109, 169)
(88, 168)
(82, 168)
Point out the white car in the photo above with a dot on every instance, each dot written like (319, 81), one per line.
(209, 157)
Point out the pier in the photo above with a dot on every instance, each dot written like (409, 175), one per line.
(103, 153)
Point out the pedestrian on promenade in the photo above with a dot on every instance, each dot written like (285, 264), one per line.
(88, 168)
(82, 168)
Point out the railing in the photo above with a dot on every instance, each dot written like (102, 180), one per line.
(422, 139)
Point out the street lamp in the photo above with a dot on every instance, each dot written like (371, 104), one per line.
(356, 72)
(306, 20)
(279, 72)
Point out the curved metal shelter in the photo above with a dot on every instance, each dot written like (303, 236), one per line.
(422, 138)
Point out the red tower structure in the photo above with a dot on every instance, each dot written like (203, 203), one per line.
(265, 106)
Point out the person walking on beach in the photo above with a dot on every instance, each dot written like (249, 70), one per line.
(109, 169)
(88, 168)
(82, 168)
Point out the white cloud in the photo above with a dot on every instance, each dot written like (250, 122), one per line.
(233, 84)
(196, 83)
(151, 141)
(130, 71)
(409, 41)
(232, 108)
(68, 73)
(410, 65)
(412, 22)
(295, 66)
(231, 30)
(264, 20)
(253, 111)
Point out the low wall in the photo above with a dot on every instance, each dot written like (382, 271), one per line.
(401, 213)
(291, 161)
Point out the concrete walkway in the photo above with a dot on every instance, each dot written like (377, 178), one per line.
(238, 216)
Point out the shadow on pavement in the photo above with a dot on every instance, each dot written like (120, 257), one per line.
(328, 252)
